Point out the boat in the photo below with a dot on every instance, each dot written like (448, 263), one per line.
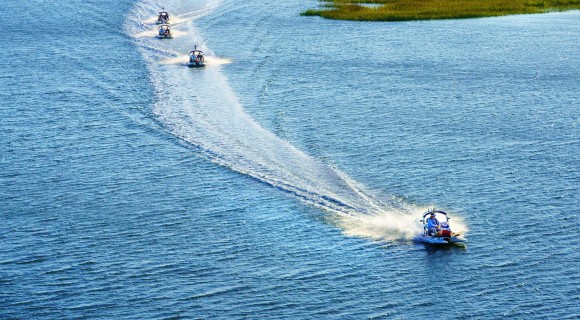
(164, 32)
(443, 235)
(163, 18)
(196, 59)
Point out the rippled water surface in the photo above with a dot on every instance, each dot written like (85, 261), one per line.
(285, 180)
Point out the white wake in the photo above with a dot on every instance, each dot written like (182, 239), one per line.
(200, 108)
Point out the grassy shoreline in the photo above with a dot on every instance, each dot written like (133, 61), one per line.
(407, 10)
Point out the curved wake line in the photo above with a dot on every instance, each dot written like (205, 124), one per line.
(200, 108)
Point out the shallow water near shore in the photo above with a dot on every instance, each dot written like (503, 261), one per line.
(286, 178)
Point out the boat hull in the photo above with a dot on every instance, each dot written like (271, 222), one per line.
(439, 240)
(195, 65)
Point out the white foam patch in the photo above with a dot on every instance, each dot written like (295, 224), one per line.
(393, 225)
(384, 226)
(458, 224)
(182, 59)
(178, 20)
(151, 20)
(147, 34)
(211, 60)
(178, 33)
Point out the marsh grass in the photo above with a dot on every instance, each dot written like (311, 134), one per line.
(405, 10)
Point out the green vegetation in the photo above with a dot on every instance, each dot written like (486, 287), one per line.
(405, 10)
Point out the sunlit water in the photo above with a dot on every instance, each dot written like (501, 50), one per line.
(285, 179)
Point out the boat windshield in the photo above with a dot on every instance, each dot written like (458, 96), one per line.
(440, 217)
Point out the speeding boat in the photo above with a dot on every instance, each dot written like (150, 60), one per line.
(196, 59)
(163, 18)
(164, 32)
(439, 233)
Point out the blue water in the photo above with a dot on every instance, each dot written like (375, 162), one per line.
(285, 180)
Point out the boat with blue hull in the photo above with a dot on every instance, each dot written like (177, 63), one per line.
(436, 229)
(164, 32)
(196, 58)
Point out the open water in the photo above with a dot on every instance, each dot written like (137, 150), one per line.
(285, 179)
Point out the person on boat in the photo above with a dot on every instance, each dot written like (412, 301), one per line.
(163, 17)
(161, 32)
(433, 225)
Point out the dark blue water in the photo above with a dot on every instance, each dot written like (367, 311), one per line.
(285, 179)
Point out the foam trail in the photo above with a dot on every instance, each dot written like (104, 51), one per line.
(150, 20)
(176, 18)
(181, 59)
(211, 60)
(200, 108)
